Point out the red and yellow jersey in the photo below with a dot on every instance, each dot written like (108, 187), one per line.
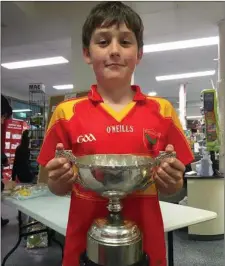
(89, 126)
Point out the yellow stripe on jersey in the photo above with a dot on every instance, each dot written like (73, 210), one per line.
(168, 111)
(65, 111)
(118, 116)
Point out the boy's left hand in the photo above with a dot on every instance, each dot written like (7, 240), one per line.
(169, 175)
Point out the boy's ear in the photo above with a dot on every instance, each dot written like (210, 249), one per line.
(139, 56)
(86, 55)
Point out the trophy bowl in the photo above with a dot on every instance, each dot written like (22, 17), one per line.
(114, 175)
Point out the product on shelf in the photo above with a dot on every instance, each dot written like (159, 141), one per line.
(210, 108)
(12, 134)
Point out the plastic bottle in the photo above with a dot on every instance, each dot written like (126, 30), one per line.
(206, 164)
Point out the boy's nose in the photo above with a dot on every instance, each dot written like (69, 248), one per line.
(115, 49)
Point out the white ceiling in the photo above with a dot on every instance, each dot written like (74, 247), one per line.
(29, 30)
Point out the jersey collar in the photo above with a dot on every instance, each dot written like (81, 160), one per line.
(94, 96)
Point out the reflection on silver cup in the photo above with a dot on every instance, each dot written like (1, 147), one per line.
(117, 173)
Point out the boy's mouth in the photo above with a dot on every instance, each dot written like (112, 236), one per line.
(114, 64)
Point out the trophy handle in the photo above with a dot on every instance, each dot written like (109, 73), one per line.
(68, 154)
(163, 155)
(157, 161)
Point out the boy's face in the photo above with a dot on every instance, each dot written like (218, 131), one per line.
(113, 53)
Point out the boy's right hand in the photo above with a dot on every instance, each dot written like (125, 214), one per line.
(60, 172)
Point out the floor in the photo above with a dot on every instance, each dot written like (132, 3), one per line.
(187, 253)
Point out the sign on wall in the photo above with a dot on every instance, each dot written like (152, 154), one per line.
(36, 87)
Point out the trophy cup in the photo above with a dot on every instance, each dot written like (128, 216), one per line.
(113, 240)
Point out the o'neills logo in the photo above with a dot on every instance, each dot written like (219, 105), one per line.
(120, 129)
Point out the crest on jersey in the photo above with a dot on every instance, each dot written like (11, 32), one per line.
(151, 139)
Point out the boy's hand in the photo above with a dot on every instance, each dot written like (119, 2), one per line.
(169, 176)
(60, 173)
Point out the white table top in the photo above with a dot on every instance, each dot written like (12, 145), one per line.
(53, 212)
(178, 216)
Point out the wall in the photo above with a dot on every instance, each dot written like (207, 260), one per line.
(14, 94)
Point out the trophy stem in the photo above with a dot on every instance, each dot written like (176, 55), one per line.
(114, 205)
(115, 216)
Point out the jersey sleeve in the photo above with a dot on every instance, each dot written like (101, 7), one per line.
(57, 132)
(177, 138)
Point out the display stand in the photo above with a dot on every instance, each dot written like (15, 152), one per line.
(37, 104)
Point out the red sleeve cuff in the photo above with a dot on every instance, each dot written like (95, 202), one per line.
(42, 162)
(187, 160)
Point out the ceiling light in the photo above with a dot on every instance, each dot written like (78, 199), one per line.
(186, 75)
(21, 110)
(194, 117)
(152, 93)
(63, 87)
(181, 44)
(36, 62)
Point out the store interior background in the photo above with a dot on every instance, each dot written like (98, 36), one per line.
(31, 30)
(38, 30)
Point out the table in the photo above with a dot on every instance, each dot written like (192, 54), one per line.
(57, 209)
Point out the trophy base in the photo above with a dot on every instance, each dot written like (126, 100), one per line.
(84, 261)
(113, 237)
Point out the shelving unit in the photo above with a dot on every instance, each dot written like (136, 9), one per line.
(37, 102)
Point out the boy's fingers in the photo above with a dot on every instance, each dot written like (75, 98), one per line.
(176, 164)
(160, 182)
(169, 148)
(59, 146)
(166, 167)
(165, 177)
(69, 177)
(56, 163)
(57, 173)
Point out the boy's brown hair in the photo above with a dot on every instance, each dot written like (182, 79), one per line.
(107, 14)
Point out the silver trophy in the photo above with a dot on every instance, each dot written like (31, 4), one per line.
(113, 240)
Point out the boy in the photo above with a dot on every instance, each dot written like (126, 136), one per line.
(115, 118)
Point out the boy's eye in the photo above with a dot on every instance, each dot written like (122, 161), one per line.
(125, 42)
(102, 42)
